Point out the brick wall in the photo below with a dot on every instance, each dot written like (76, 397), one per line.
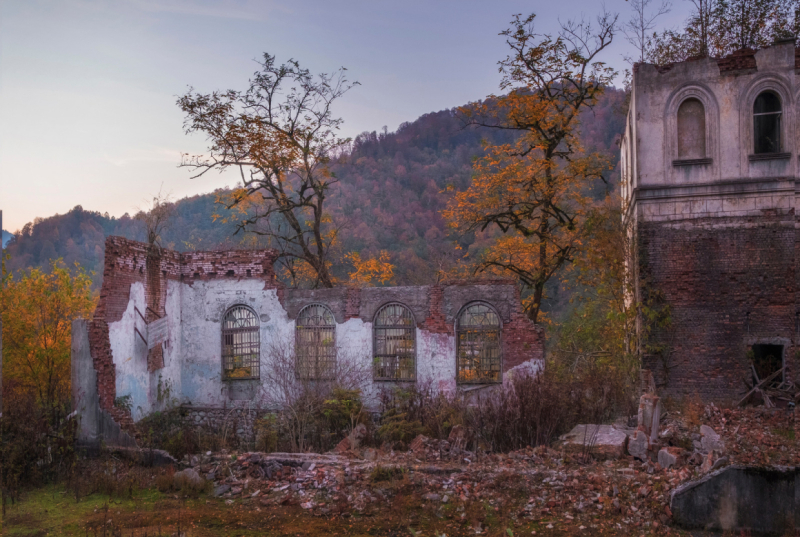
(128, 262)
(729, 283)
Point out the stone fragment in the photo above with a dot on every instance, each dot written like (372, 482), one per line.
(639, 445)
(459, 437)
(370, 454)
(220, 490)
(418, 443)
(719, 463)
(649, 416)
(432, 497)
(670, 456)
(708, 463)
(601, 441)
(187, 476)
(710, 440)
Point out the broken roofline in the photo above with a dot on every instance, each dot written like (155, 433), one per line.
(738, 60)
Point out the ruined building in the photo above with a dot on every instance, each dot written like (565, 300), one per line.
(214, 332)
(709, 180)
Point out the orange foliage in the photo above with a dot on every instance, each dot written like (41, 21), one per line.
(535, 191)
(38, 308)
(371, 270)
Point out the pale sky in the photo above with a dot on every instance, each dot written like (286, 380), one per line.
(88, 88)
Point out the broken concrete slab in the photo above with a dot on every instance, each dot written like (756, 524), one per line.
(639, 445)
(601, 441)
(671, 456)
(649, 415)
(710, 440)
(740, 498)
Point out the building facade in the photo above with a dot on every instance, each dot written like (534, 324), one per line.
(216, 330)
(709, 162)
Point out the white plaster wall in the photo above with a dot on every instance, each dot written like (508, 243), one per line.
(129, 353)
(192, 372)
(165, 384)
(203, 306)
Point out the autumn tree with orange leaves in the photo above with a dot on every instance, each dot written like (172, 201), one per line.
(535, 190)
(38, 307)
(280, 135)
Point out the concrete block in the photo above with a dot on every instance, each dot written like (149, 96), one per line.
(740, 498)
(601, 441)
(639, 445)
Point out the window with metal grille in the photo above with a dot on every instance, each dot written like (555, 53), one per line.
(315, 343)
(767, 123)
(240, 344)
(478, 344)
(394, 344)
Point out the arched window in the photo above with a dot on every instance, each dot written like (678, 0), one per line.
(691, 130)
(315, 343)
(394, 343)
(478, 341)
(240, 344)
(767, 123)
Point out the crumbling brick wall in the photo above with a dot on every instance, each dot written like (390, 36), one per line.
(128, 262)
(728, 283)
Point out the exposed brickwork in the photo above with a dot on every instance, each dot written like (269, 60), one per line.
(127, 262)
(353, 303)
(729, 283)
(436, 321)
(741, 59)
(522, 340)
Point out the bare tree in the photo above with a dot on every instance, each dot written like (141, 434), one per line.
(280, 135)
(300, 400)
(638, 28)
(156, 218)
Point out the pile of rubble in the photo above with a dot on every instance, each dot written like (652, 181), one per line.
(565, 486)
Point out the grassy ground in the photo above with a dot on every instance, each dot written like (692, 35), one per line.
(53, 511)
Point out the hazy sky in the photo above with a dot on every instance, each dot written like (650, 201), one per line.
(88, 88)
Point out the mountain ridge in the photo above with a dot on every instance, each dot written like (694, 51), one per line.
(390, 193)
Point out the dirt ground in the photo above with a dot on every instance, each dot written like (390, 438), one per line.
(431, 490)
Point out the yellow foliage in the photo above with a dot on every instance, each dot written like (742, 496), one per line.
(38, 308)
(535, 191)
(371, 270)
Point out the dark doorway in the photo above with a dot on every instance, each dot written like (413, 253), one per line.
(767, 359)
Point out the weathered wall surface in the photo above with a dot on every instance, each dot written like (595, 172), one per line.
(716, 239)
(195, 290)
(728, 287)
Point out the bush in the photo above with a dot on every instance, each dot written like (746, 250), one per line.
(531, 410)
(38, 442)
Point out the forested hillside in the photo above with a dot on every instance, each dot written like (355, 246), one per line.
(391, 191)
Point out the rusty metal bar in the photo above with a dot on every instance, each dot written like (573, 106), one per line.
(140, 334)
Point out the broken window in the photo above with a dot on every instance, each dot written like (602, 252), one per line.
(478, 341)
(315, 343)
(240, 344)
(691, 130)
(394, 343)
(767, 123)
(767, 359)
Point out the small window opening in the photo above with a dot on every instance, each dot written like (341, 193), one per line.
(767, 123)
(691, 130)
(229, 273)
(767, 359)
